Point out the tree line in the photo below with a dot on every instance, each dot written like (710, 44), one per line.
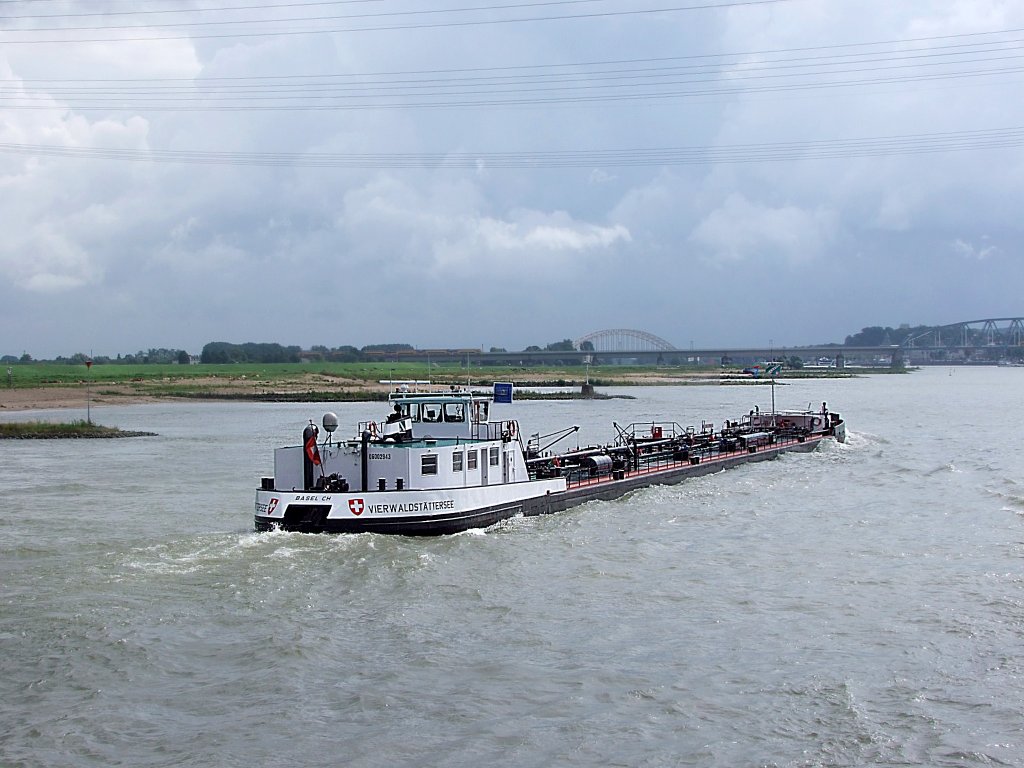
(223, 352)
(883, 336)
(154, 356)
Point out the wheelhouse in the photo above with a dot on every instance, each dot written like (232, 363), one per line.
(451, 414)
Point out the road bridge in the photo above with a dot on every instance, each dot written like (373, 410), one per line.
(973, 341)
(987, 340)
(737, 356)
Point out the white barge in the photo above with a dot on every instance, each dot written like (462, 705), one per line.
(438, 464)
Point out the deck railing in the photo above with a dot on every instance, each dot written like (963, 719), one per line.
(652, 464)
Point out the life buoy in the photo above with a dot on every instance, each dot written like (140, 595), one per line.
(372, 429)
(816, 422)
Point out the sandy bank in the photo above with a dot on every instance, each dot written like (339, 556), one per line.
(39, 398)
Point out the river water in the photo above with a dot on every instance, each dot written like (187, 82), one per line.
(861, 605)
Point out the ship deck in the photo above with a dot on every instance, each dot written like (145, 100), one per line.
(581, 488)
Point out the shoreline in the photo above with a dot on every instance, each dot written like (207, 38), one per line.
(22, 399)
(310, 386)
(62, 398)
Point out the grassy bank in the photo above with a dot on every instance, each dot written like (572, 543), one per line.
(41, 430)
(323, 381)
(53, 374)
(29, 375)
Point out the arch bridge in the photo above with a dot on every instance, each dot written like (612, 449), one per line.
(622, 340)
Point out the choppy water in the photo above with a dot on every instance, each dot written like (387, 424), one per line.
(862, 605)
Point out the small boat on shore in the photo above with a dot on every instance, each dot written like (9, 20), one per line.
(440, 464)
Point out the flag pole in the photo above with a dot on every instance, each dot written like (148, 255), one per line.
(88, 391)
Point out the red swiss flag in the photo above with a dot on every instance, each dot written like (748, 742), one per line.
(311, 450)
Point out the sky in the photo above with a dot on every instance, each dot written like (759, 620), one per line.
(475, 173)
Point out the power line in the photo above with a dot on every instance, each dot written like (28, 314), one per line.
(829, 149)
(562, 72)
(730, 59)
(137, 12)
(827, 67)
(664, 84)
(381, 28)
(827, 61)
(333, 17)
(931, 51)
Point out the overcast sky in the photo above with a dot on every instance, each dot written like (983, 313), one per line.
(175, 172)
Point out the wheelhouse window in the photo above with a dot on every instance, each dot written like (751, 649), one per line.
(431, 412)
(411, 411)
(457, 461)
(471, 459)
(454, 412)
(480, 412)
(428, 465)
(494, 457)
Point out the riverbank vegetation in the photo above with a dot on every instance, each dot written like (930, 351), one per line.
(161, 380)
(35, 430)
(34, 386)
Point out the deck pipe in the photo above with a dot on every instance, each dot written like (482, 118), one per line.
(366, 461)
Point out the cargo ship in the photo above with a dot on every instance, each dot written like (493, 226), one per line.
(440, 463)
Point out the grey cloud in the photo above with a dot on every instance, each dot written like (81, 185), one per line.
(185, 253)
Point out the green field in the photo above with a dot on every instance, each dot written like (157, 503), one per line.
(185, 380)
(53, 374)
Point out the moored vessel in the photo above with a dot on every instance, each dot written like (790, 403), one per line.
(440, 463)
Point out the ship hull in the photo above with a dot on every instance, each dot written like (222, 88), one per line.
(447, 511)
(410, 513)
